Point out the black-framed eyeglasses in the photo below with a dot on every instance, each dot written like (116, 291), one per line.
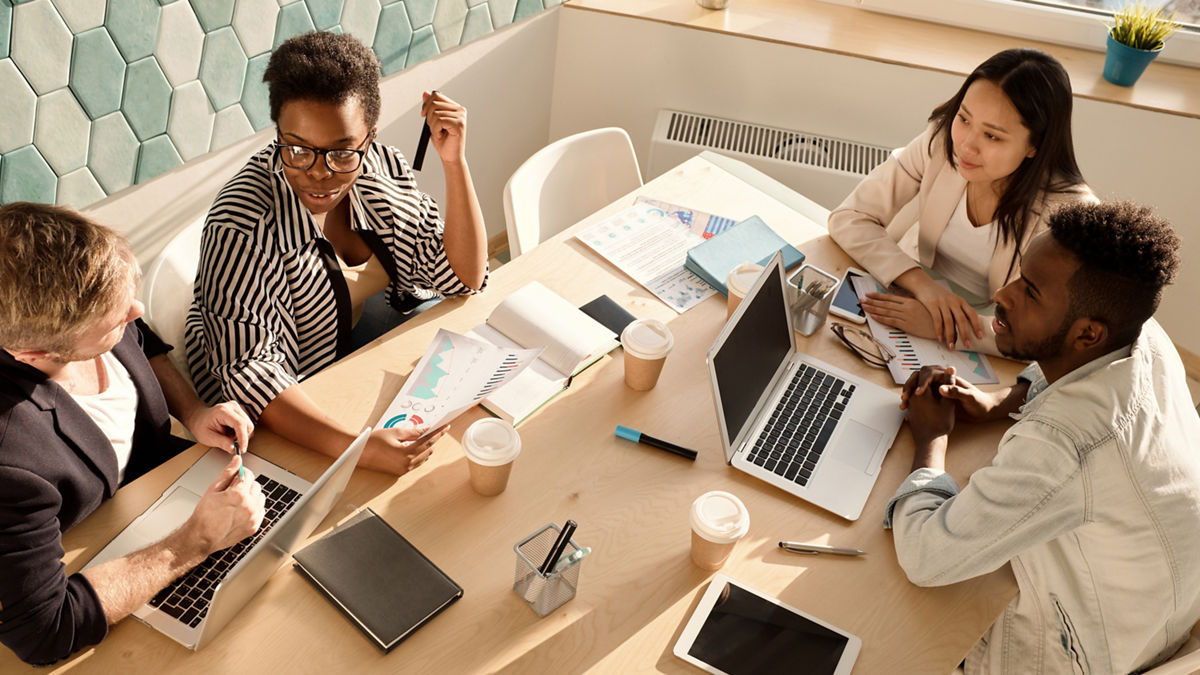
(863, 344)
(338, 160)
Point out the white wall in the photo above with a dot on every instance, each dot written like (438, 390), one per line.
(503, 79)
(618, 71)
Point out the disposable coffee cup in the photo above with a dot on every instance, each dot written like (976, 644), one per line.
(647, 343)
(738, 284)
(719, 520)
(490, 445)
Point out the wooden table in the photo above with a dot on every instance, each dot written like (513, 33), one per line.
(631, 502)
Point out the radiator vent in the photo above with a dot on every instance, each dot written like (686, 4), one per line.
(784, 145)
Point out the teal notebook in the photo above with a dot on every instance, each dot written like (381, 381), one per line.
(751, 240)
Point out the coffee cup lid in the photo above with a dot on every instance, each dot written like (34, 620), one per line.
(742, 277)
(491, 442)
(720, 517)
(647, 339)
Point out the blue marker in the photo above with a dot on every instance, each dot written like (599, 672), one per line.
(638, 437)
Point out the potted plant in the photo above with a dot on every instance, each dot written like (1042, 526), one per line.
(1135, 38)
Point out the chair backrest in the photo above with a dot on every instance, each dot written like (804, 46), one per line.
(167, 290)
(565, 181)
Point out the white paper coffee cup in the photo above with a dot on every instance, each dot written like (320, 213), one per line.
(646, 343)
(490, 445)
(719, 520)
(738, 284)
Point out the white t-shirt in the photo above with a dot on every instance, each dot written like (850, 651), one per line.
(114, 410)
(363, 281)
(964, 252)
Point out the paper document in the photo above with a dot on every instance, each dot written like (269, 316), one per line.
(913, 352)
(455, 373)
(651, 245)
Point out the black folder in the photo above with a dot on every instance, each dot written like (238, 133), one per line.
(377, 578)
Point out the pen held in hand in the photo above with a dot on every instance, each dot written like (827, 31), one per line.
(237, 449)
(423, 143)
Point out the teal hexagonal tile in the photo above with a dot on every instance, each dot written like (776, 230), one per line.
(147, 99)
(18, 106)
(180, 43)
(230, 126)
(392, 38)
(223, 68)
(133, 25)
(5, 26)
(420, 12)
(60, 131)
(97, 72)
(336, 30)
(78, 189)
(359, 19)
(26, 177)
(157, 157)
(81, 15)
(256, 102)
(190, 125)
(113, 153)
(254, 21)
(325, 13)
(293, 20)
(477, 24)
(423, 46)
(41, 46)
(502, 12)
(527, 8)
(213, 13)
(448, 22)
(476, 3)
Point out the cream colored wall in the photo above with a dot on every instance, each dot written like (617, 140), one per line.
(614, 70)
(503, 79)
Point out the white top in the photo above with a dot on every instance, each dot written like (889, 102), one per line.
(491, 442)
(114, 410)
(964, 252)
(720, 517)
(363, 281)
(647, 339)
(742, 278)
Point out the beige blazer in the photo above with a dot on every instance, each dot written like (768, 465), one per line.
(917, 185)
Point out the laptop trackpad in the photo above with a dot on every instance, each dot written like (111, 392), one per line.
(857, 445)
(170, 513)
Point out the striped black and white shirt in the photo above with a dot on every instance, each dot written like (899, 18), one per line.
(271, 305)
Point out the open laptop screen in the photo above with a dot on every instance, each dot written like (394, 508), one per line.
(753, 351)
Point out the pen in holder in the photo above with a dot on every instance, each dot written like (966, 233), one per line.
(811, 296)
(545, 592)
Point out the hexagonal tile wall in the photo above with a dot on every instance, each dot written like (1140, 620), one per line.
(26, 177)
(293, 20)
(5, 27)
(78, 189)
(18, 106)
(256, 101)
(392, 38)
(41, 46)
(147, 99)
(157, 157)
(180, 43)
(133, 25)
(213, 13)
(80, 15)
(253, 21)
(360, 17)
(424, 46)
(191, 121)
(222, 68)
(97, 72)
(60, 131)
(502, 12)
(229, 127)
(448, 21)
(420, 12)
(114, 153)
(325, 13)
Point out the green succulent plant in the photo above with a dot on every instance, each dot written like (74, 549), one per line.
(1140, 27)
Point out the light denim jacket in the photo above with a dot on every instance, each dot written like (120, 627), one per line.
(1094, 497)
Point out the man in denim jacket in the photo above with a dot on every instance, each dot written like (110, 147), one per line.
(1094, 494)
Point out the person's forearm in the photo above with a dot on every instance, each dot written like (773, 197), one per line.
(930, 453)
(912, 280)
(1012, 400)
(465, 235)
(181, 398)
(129, 582)
(295, 417)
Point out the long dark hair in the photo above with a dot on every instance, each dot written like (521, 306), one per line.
(1040, 90)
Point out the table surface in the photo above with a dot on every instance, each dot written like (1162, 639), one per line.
(631, 502)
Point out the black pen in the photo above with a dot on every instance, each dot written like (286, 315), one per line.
(638, 437)
(560, 545)
(419, 158)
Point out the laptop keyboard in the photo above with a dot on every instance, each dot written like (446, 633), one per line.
(801, 424)
(189, 597)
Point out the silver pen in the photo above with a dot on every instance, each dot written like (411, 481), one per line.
(813, 549)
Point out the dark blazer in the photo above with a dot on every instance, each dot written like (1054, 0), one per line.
(56, 467)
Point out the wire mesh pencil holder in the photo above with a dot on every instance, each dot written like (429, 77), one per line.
(811, 295)
(544, 593)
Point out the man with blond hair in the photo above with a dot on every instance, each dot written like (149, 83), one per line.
(85, 390)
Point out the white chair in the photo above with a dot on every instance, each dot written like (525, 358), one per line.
(167, 290)
(565, 181)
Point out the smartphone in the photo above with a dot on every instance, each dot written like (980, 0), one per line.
(845, 301)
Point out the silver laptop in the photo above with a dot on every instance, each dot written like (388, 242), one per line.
(200, 603)
(798, 423)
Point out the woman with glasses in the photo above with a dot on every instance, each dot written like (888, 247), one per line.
(313, 225)
(965, 198)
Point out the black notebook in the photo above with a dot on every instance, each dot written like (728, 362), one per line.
(377, 578)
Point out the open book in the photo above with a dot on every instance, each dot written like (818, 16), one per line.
(533, 317)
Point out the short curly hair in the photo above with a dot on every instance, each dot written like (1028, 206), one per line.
(1127, 254)
(326, 67)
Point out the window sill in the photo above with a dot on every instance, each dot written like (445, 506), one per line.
(1165, 88)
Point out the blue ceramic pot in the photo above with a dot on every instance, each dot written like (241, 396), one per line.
(1123, 64)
